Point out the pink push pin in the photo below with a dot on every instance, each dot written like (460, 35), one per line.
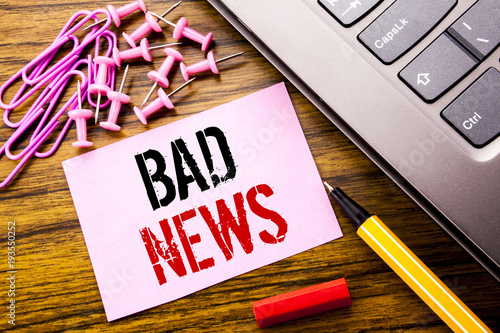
(121, 12)
(182, 29)
(160, 77)
(118, 98)
(162, 100)
(100, 87)
(208, 64)
(80, 117)
(148, 26)
(142, 51)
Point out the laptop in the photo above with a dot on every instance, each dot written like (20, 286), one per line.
(415, 84)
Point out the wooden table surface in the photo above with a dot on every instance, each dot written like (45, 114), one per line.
(55, 287)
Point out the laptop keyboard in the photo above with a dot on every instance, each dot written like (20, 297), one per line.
(475, 114)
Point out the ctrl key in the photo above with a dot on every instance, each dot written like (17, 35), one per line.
(475, 114)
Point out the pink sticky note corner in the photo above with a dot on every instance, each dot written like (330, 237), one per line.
(182, 207)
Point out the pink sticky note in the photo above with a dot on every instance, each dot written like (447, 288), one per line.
(185, 206)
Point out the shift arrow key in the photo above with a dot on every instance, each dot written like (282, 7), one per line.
(438, 68)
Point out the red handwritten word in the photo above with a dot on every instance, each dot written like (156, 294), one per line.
(170, 251)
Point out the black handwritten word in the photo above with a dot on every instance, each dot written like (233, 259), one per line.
(170, 251)
(181, 155)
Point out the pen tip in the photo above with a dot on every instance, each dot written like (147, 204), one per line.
(330, 188)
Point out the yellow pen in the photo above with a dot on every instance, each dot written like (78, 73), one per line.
(406, 264)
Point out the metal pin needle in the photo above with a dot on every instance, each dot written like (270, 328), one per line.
(123, 79)
(79, 96)
(173, 92)
(158, 17)
(149, 94)
(229, 57)
(169, 10)
(97, 106)
(180, 87)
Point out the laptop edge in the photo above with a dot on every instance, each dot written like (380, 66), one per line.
(446, 224)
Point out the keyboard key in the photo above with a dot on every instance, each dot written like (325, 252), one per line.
(348, 12)
(402, 25)
(475, 114)
(438, 68)
(479, 28)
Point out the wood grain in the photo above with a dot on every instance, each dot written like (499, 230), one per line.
(55, 285)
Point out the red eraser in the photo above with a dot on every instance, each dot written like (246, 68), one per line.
(300, 303)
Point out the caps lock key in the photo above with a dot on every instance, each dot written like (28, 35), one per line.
(402, 25)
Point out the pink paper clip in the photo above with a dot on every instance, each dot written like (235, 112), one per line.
(49, 95)
(55, 89)
(112, 43)
(72, 103)
(17, 134)
(52, 98)
(69, 30)
(18, 167)
(58, 141)
(104, 78)
(61, 40)
(17, 100)
(71, 20)
(50, 82)
(35, 73)
(41, 83)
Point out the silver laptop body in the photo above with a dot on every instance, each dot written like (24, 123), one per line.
(379, 100)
